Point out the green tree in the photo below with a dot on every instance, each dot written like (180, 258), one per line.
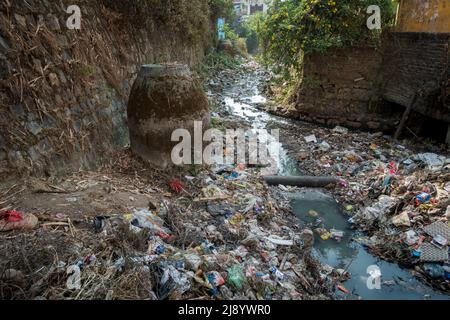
(222, 9)
(250, 29)
(296, 27)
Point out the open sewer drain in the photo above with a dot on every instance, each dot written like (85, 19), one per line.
(334, 246)
(396, 282)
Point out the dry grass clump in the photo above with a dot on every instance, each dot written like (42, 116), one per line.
(34, 266)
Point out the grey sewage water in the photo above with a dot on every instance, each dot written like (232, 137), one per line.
(397, 283)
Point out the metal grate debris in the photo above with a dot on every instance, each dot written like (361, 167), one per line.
(438, 228)
(431, 253)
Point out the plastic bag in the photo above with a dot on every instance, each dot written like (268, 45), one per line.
(236, 276)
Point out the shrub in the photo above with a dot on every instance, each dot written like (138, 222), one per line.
(189, 18)
(296, 27)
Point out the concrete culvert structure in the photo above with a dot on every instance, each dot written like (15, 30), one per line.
(163, 98)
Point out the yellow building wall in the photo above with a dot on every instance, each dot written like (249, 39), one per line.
(424, 16)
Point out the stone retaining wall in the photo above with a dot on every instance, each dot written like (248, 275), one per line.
(343, 87)
(63, 93)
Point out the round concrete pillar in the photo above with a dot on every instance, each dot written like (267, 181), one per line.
(163, 98)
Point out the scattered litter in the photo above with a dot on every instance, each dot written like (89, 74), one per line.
(74, 279)
(279, 241)
(438, 228)
(216, 279)
(15, 220)
(277, 273)
(433, 161)
(430, 252)
(411, 237)
(439, 241)
(313, 213)
(236, 276)
(324, 146)
(423, 198)
(176, 186)
(311, 138)
(401, 220)
(378, 210)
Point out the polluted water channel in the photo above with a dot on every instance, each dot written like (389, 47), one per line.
(314, 209)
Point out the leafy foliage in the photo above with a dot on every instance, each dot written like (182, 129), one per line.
(219, 61)
(250, 29)
(192, 19)
(222, 8)
(296, 27)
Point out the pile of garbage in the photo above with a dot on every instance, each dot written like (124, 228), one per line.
(231, 242)
(218, 234)
(389, 190)
(410, 223)
(395, 193)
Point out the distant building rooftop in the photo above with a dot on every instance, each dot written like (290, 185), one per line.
(249, 7)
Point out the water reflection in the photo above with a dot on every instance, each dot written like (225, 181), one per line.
(396, 282)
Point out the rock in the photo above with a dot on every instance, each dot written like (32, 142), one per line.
(373, 125)
(341, 130)
(53, 22)
(34, 127)
(15, 158)
(354, 124)
(37, 65)
(54, 80)
(20, 20)
(311, 138)
(33, 154)
(17, 109)
(13, 275)
(164, 98)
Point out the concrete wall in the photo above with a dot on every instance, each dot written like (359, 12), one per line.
(342, 87)
(63, 93)
(424, 16)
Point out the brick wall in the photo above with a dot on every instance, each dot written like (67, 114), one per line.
(353, 86)
(417, 61)
(342, 87)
